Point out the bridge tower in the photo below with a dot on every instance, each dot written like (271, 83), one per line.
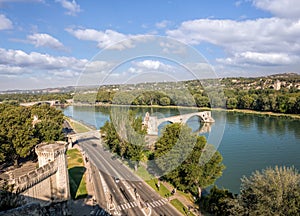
(56, 152)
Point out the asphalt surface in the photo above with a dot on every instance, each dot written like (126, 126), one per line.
(126, 194)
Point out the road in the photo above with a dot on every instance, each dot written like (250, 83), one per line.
(129, 195)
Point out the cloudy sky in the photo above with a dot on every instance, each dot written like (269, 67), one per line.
(49, 43)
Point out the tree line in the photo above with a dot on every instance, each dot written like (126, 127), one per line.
(19, 133)
(266, 100)
(25, 98)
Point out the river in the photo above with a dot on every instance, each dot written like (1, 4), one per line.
(247, 142)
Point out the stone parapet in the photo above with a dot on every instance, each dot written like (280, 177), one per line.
(34, 177)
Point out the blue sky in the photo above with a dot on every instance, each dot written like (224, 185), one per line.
(47, 43)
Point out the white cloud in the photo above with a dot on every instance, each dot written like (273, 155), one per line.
(264, 41)
(149, 64)
(45, 40)
(38, 61)
(162, 24)
(5, 23)
(173, 47)
(280, 8)
(11, 70)
(105, 39)
(72, 7)
(262, 59)
(48, 70)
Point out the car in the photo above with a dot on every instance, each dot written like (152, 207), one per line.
(117, 180)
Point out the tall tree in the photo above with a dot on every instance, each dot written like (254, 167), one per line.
(217, 201)
(19, 133)
(124, 134)
(186, 160)
(270, 192)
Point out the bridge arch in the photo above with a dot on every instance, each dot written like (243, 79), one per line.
(152, 122)
(163, 124)
(199, 117)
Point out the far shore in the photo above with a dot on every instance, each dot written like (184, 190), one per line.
(245, 111)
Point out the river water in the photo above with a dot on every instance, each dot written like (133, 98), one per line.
(247, 142)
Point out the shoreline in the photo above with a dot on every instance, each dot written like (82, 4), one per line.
(244, 111)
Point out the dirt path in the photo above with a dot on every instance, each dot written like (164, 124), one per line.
(183, 199)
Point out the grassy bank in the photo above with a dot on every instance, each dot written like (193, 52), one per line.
(162, 190)
(77, 126)
(253, 112)
(180, 207)
(76, 174)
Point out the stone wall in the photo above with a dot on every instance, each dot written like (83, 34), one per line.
(49, 182)
(34, 177)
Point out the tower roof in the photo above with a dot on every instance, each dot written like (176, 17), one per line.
(51, 147)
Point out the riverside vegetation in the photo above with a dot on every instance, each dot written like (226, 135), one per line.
(273, 191)
(277, 93)
(183, 148)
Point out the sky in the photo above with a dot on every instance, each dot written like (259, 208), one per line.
(55, 43)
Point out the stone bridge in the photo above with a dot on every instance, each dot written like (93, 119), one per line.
(72, 138)
(152, 122)
(51, 103)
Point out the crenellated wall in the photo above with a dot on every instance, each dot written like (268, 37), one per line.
(49, 182)
(34, 177)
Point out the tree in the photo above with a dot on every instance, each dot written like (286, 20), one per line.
(282, 103)
(50, 124)
(179, 154)
(164, 101)
(246, 102)
(124, 134)
(136, 139)
(231, 103)
(173, 147)
(217, 201)
(270, 192)
(297, 105)
(201, 101)
(19, 134)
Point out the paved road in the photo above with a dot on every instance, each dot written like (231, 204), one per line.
(122, 196)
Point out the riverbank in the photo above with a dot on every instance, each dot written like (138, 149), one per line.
(253, 112)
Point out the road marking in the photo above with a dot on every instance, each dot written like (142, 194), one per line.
(127, 206)
(132, 204)
(151, 204)
(161, 202)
